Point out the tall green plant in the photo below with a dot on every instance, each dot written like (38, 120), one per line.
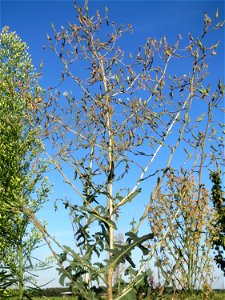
(22, 185)
(218, 199)
(108, 133)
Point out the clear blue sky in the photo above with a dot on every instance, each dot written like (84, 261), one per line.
(32, 20)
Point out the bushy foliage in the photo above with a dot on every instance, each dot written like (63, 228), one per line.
(218, 199)
(22, 185)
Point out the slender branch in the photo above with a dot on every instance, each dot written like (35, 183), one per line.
(156, 152)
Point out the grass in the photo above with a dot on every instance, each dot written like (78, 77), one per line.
(182, 296)
(212, 296)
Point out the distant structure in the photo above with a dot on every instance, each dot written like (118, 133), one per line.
(64, 294)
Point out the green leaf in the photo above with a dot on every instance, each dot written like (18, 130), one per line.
(199, 43)
(101, 218)
(214, 46)
(119, 255)
(62, 277)
(200, 118)
(187, 117)
(217, 13)
(213, 131)
(183, 171)
(128, 198)
(117, 78)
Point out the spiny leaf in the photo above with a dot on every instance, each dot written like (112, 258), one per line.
(126, 249)
(104, 219)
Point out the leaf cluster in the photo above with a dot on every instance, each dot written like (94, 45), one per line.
(218, 200)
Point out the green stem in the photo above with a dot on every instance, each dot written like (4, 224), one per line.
(21, 270)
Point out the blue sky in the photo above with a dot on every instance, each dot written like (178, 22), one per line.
(32, 21)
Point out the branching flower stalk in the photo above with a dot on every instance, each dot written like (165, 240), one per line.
(108, 134)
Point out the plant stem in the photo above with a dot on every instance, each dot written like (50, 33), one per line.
(20, 271)
(110, 176)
